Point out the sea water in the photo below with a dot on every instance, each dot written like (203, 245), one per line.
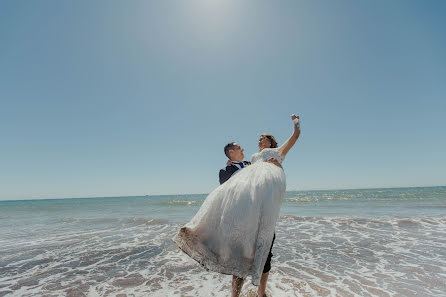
(372, 242)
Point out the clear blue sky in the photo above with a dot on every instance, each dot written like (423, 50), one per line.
(110, 98)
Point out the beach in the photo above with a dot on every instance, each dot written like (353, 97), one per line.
(370, 242)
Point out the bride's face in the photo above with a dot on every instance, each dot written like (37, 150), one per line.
(264, 142)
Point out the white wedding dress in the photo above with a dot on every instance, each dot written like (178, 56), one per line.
(233, 230)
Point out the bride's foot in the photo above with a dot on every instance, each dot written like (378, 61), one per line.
(187, 232)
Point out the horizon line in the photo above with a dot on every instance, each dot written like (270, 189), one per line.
(184, 194)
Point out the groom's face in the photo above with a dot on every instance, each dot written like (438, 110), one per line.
(237, 153)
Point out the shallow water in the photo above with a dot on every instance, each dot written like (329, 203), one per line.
(385, 242)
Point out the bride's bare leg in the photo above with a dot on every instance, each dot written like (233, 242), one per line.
(262, 285)
(237, 283)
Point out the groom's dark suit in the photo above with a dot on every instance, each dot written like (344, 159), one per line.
(227, 172)
(224, 175)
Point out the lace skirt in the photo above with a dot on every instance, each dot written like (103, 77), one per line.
(233, 230)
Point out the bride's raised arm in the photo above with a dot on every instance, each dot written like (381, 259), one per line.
(284, 148)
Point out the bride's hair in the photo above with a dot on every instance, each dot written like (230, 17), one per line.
(271, 139)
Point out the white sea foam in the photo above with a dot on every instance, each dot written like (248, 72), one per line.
(180, 202)
(343, 243)
(300, 199)
(312, 257)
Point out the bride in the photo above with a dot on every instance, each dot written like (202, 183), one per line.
(233, 230)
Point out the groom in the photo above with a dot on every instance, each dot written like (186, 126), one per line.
(235, 155)
(234, 152)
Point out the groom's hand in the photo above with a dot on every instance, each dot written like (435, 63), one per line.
(274, 161)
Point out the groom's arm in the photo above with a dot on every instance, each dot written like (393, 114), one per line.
(226, 173)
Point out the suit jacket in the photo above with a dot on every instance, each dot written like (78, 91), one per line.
(227, 172)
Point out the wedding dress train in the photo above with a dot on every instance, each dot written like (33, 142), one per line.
(233, 230)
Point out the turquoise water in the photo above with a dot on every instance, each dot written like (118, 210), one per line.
(398, 202)
(345, 242)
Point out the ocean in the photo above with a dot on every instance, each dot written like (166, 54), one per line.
(370, 242)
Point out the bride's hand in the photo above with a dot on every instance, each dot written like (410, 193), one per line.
(229, 163)
(295, 119)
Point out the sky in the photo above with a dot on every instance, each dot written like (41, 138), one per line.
(122, 98)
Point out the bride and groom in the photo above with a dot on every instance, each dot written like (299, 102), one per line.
(233, 231)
